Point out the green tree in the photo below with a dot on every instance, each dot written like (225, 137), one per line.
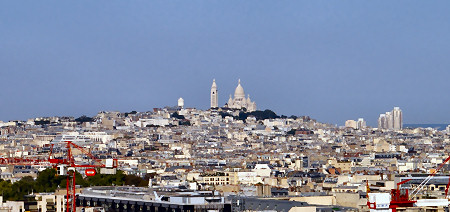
(83, 119)
(132, 112)
(107, 179)
(24, 186)
(259, 115)
(80, 180)
(133, 180)
(48, 181)
(291, 132)
(6, 189)
(177, 115)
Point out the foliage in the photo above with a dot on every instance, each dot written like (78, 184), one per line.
(83, 119)
(259, 115)
(132, 112)
(224, 114)
(80, 180)
(24, 186)
(17, 191)
(107, 179)
(7, 191)
(42, 122)
(135, 180)
(178, 116)
(151, 125)
(48, 181)
(291, 132)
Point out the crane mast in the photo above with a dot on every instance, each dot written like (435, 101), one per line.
(66, 166)
(401, 198)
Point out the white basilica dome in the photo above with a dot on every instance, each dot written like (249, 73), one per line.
(239, 92)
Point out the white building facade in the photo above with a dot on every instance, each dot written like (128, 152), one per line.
(214, 95)
(239, 101)
(392, 120)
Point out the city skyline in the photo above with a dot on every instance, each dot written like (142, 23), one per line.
(330, 61)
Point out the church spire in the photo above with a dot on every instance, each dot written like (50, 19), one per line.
(214, 95)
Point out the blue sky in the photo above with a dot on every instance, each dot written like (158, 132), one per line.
(331, 60)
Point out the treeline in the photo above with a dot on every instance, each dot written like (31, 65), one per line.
(48, 181)
(83, 119)
(259, 115)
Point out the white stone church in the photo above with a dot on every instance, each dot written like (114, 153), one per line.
(238, 102)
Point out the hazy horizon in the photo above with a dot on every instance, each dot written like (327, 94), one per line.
(332, 61)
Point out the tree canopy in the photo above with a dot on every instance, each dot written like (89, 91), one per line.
(83, 119)
(177, 115)
(259, 115)
(132, 112)
(48, 181)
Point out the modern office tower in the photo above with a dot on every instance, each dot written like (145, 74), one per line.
(360, 124)
(392, 120)
(350, 124)
(214, 95)
(382, 121)
(389, 120)
(398, 118)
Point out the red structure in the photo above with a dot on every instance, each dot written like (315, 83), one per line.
(401, 197)
(90, 172)
(65, 166)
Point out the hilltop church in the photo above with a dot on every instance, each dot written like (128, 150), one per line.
(238, 102)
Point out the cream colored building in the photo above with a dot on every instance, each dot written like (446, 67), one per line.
(214, 95)
(345, 166)
(239, 101)
(350, 124)
(217, 178)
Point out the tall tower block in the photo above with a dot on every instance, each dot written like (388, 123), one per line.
(398, 118)
(214, 95)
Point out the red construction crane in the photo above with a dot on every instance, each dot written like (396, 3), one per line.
(400, 197)
(66, 166)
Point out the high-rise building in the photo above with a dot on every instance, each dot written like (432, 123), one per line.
(214, 95)
(398, 118)
(392, 120)
(389, 120)
(382, 121)
(350, 124)
(361, 124)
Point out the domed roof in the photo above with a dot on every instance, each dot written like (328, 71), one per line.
(239, 92)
